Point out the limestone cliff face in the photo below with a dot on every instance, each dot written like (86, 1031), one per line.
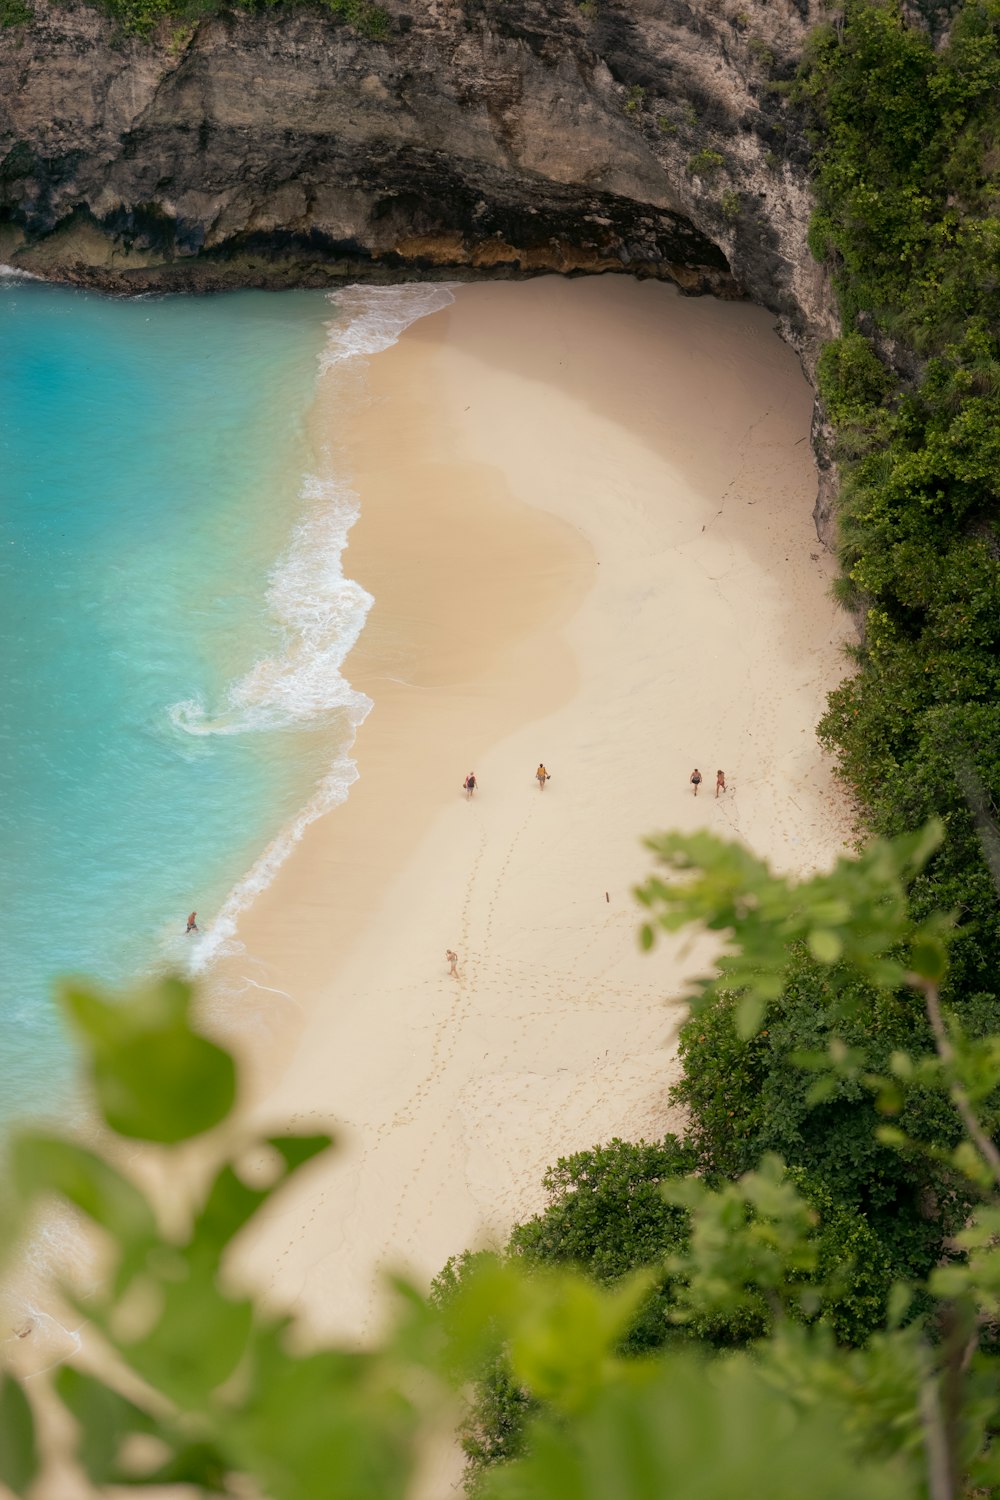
(482, 135)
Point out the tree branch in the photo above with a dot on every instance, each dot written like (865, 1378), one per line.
(959, 1097)
(935, 1440)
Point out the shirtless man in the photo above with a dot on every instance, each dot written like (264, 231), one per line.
(695, 780)
(720, 782)
(452, 958)
(192, 925)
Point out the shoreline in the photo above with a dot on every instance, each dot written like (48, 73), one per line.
(648, 456)
(425, 680)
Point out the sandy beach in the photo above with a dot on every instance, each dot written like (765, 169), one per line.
(586, 524)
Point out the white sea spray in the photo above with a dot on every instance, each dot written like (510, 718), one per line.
(318, 616)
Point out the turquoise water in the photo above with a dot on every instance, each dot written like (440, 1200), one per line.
(165, 703)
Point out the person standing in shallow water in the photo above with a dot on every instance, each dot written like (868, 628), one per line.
(696, 780)
(470, 785)
(720, 782)
(192, 925)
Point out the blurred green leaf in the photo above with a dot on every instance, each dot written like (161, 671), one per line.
(42, 1163)
(694, 1431)
(330, 1424)
(855, 919)
(105, 1418)
(155, 1078)
(825, 945)
(164, 1086)
(565, 1333)
(196, 1339)
(230, 1202)
(18, 1450)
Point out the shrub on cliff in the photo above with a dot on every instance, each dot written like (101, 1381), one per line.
(612, 1213)
(139, 17)
(908, 219)
(746, 1098)
(15, 13)
(201, 1385)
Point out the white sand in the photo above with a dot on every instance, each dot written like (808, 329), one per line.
(586, 521)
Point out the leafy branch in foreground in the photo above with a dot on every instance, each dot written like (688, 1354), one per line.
(855, 921)
(198, 1384)
(851, 1275)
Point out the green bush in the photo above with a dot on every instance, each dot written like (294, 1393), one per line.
(139, 17)
(908, 219)
(748, 1098)
(202, 1386)
(731, 204)
(852, 381)
(705, 163)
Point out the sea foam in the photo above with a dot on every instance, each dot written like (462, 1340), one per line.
(318, 612)
(373, 317)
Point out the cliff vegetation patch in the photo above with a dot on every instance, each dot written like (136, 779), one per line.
(903, 111)
(908, 218)
(140, 17)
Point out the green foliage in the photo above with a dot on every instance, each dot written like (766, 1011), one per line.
(816, 975)
(228, 1398)
(853, 383)
(606, 1213)
(15, 13)
(761, 53)
(731, 204)
(855, 921)
(705, 163)
(721, 1260)
(154, 1078)
(635, 96)
(368, 19)
(18, 1453)
(676, 1430)
(750, 1098)
(908, 220)
(140, 17)
(904, 208)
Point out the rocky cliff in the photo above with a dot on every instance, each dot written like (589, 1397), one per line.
(497, 137)
(500, 136)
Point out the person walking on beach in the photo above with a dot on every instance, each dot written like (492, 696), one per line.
(452, 958)
(720, 782)
(470, 785)
(192, 925)
(541, 776)
(696, 780)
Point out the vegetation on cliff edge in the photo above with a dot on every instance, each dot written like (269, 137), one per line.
(186, 1378)
(906, 138)
(141, 17)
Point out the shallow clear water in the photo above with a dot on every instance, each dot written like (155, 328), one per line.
(154, 626)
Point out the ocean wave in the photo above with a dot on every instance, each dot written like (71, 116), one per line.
(373, 317)
(320, 614)
(318, 611)
(12, 273)
(220, 937)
